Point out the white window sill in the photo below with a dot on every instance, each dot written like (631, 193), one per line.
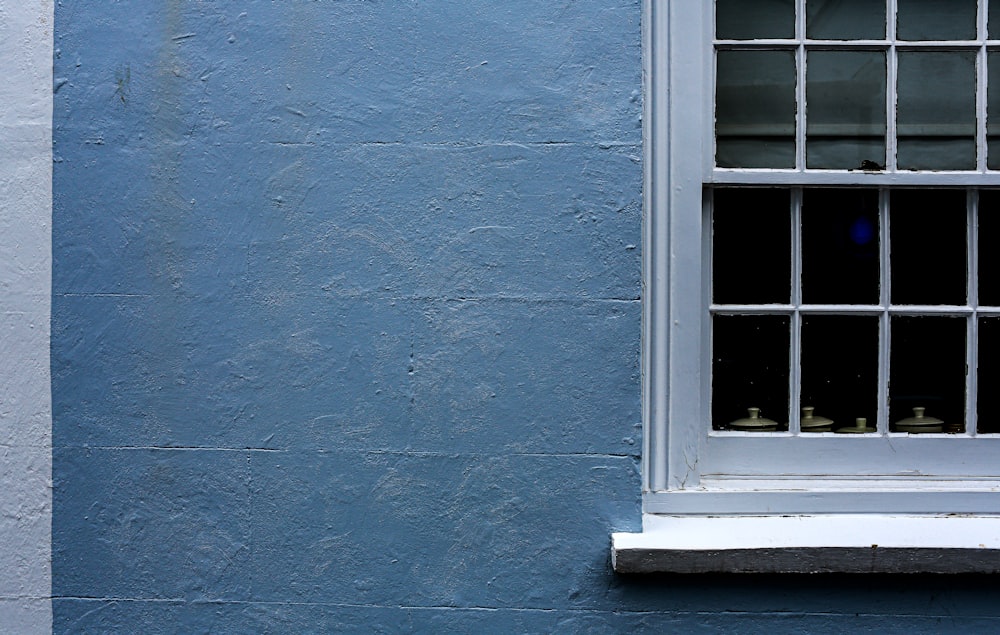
(845, 543)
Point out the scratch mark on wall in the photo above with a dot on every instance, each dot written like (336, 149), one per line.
(123, 83)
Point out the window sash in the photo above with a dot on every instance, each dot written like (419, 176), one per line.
(891, 45)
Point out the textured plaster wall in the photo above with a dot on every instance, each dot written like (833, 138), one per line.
(346, 329)
(25, 275)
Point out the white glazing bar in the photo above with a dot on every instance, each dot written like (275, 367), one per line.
(812, 44)
(800, 85)
(800, 20)
(983, 26)
(853, 178)
(708, 99)
(981, 87)
(890, 20)
(939, 45)
(752, 309)
(837, 45)
(984, 34)
(941, 310)
(972, 349)
(882, 423)
(762, 43)
(795, 354)
(890, 95)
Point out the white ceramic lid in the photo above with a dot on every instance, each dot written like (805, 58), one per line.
(919, 420)
(753, 421)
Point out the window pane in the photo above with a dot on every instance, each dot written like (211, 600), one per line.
(840, 247)
(927, 370)
(749, 368)
(989, 254)
(993, 26)
(755, 109)
(845, 114)
(845, 19)
(840, 368)
(928, 241)
(936, 20)
(988, 414)
(936, 111)
(993, 104)
(751, 246)
(751, 19)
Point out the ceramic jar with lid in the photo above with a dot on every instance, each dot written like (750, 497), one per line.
(811, 423)
(919, 423)
(860, 427)
(754, 422)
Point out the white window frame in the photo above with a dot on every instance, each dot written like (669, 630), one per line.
(705, 492)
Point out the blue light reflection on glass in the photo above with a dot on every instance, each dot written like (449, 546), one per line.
(862, 231)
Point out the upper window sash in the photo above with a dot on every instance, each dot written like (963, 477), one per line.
(975, 46)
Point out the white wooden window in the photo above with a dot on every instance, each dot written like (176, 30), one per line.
(820, 215)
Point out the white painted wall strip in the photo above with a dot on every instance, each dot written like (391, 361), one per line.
(26, 40)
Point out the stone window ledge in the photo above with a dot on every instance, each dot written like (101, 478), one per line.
(834, 543)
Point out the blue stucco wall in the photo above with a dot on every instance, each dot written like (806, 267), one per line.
(345, 330)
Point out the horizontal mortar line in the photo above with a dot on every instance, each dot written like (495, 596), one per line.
(607, 455)
(493, 609)
(375, 294)
(102, 295)
(193, 448)
(418, 453)
(342, 450)
(488, 455)
(85, 598)
(458, 145)
(509, 298)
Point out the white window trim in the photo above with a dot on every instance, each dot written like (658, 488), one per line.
(692, 521)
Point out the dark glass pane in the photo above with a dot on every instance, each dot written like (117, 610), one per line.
(936, 111)
(755, 109)
(751, 246)
(993, 21)
(754, 19)
(840, 247)
(749, 368)
(936, 20)
(927, 369)
(988, 415)
(989, 248)
(993, 104)
(845, 116)
(845, 19)
(840, 367)
(927, 231)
